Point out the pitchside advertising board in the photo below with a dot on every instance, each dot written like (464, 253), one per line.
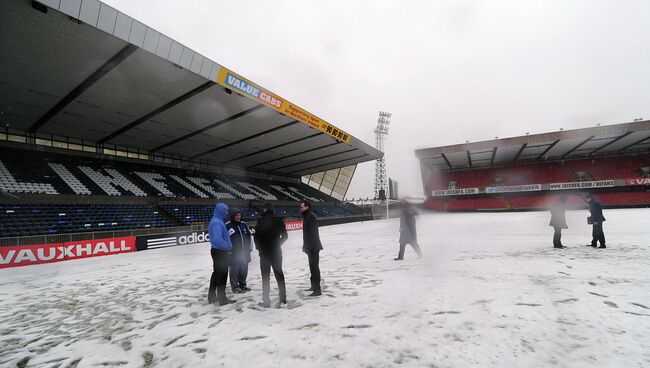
(47, 253)
(170, 240)
(25, 255)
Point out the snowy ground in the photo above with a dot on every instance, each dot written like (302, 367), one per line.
(490, 292)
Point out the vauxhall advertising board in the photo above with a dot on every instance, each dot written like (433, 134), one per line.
(25, 255)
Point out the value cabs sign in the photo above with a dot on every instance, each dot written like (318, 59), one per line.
(235, 82)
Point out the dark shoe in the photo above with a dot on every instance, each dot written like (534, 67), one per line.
(264, 304)
(245, 289)
(315, 293)
(593, 245)
(398, 259)
(602, 247)
(559, 246)
(226, 301)
(283, 301)
(237, 290)
(310, 289)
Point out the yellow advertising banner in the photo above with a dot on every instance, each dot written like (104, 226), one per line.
(235, 82)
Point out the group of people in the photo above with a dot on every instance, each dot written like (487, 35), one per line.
(596, 219)
(231, 238)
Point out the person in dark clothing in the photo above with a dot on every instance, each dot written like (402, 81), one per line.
(558, 221)
(311, 245)
(597, 220)
(240, 237)
(220, 251)
(407, 232)
(270, 234)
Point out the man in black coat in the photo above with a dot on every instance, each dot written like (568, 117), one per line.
(311, 245)
(558, 221)
(407, 232)
(270, 234)
(240, 237)
(597, 220)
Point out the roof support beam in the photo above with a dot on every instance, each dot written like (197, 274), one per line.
(246, 139)
(295, 154)
(523, 147)
(271, 148)
(494, 154)
(607, 144)
(547, 149)
(83, 86)
(211, 126)
(446, 160)
(328, 164)
(578, 146)
(633, 144)
(315, 159)
(469, 158)
(157, 111)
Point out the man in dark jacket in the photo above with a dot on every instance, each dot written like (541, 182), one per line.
(407, 232)
(597, 219)
(240, 237)
(220, 251)
(558, 221)
(270, 234)
(311, 245)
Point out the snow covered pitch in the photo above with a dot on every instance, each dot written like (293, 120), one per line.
(490, 292)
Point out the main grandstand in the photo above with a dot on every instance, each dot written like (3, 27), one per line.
(529, 172)
(110, 128)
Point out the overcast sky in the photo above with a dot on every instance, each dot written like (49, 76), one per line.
(448, 71)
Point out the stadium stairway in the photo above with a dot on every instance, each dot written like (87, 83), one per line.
(168, 216)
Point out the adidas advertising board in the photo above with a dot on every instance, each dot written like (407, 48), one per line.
(169, 240)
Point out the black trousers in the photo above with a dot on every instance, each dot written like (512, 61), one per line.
(314, 269)
(597, 234)
(220, 260)
(557, 236)
(238, 275)
(402, 248)
(266, 263)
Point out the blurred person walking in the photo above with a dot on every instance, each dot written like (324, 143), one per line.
(270, 234)
(558, 221)
(240, 237)
(220, 251)
(407, 231)
(311, 245)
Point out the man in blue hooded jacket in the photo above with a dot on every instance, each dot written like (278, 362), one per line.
(220, 252)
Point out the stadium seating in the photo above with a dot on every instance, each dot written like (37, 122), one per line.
(609, 168)
(23, 171)
(49, 219)
(460, 203)
(623, 198)
(542, 173)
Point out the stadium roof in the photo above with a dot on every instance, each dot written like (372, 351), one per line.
(601, 140)
(82, 69)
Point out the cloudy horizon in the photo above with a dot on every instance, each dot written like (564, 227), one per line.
(448, 71)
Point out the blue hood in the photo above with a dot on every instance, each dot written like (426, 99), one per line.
(220, 211)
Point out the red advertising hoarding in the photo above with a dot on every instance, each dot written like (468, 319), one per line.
(26, 255)
(293, 225)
